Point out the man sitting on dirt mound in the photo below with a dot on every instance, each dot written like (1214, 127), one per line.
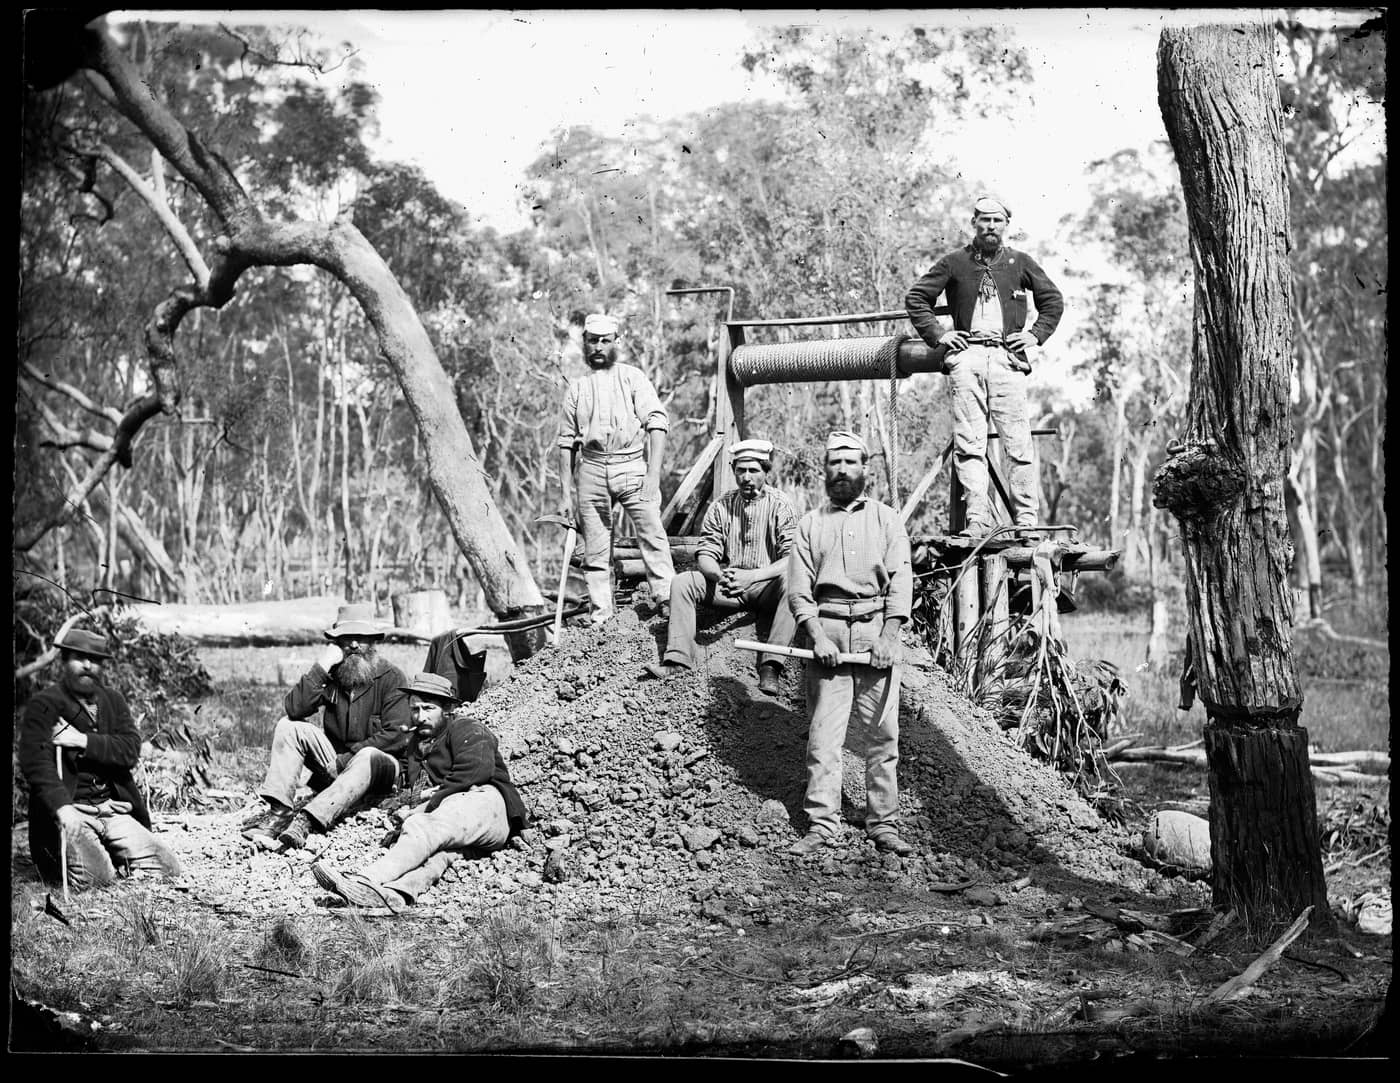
(77, 747)
(462, 797)
(851, 587)
(362, 735)
(742, 558)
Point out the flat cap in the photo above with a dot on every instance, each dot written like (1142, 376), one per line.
(991, 205)
(598, 324)
(843, 439)
(758, 450)
(431, 684)
(81, 641)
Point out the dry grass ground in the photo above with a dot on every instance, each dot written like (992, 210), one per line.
(781, 962)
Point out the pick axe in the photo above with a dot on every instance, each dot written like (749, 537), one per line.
(570, 537)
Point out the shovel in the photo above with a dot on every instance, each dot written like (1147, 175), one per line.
(570, 537)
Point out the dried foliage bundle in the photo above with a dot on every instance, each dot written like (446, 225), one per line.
(1061, 709)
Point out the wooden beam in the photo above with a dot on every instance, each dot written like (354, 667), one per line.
(681, 501)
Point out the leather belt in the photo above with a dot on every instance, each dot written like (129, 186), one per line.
(850, 610)
(592, 456)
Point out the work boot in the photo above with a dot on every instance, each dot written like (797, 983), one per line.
(810, 843)
(661, 671)
(974, 531)
(769, 679)
(357, 890)
(266, 823)
(887, 842)
(298, 830)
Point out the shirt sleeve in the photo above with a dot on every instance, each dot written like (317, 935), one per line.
(473, 762)
(899, 599)
(569, 434)
(36, 759)
(712, 531)
(919, 302)
(784, 527)
(647, 404)
(1049, 303)
(308, 695)
(801, 575)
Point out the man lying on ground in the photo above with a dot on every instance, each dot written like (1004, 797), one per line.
(358, 744)
(77, 748)
(466, 801)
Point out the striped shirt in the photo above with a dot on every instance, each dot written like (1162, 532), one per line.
(747, 534)
(610, 409)
(860, 551)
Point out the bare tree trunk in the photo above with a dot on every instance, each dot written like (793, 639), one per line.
(1220, 103)
(246, 238)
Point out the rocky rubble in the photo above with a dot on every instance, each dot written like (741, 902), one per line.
(683, 794)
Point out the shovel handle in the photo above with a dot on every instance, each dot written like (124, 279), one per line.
(862, 659)
(569, 540)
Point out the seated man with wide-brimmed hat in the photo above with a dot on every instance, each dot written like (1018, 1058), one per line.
(465, 800)
(362, 734)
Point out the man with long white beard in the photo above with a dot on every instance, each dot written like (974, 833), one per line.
(851, 588)
(77, 748)
(363, 733)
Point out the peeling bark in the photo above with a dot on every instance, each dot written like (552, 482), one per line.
(1225, 482)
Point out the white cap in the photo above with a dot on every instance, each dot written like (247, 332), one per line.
(843, 439)
(598, 324)
(758, 450)
(990, 205)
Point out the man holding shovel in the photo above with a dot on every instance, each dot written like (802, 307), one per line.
(77, 748)
(851, 587)
(612, 432)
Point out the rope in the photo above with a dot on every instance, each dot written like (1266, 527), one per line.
(821, 359)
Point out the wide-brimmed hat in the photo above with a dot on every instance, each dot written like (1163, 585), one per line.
(81, 641)
(431, 684)
(355, 619)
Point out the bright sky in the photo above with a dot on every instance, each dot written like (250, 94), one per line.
(472, 96)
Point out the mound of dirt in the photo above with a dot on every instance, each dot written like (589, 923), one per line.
(655, 794)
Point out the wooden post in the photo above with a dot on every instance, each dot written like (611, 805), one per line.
(729, 410)
(995, 602)
(966, 610)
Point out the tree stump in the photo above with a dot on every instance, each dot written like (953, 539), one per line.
(422, 611)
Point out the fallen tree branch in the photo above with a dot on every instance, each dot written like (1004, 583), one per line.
(1327, 766)
(1237, 986)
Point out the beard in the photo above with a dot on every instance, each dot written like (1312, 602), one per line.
(83, 686)
(599, 361)
(842, 490)
(355, 671)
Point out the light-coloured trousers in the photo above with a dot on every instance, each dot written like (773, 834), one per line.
(428, 841)
(298, 745)
(867, 699)
(107, 835)
(689, 589)
(985, 388)
(600, 483)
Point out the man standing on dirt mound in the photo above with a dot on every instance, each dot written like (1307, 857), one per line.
(77, 748)
(987, 283)
(612, 433)
(460, 797)
(742, 558)
(851, 588)
(362, 735)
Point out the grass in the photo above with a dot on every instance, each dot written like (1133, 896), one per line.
(1340, 713)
